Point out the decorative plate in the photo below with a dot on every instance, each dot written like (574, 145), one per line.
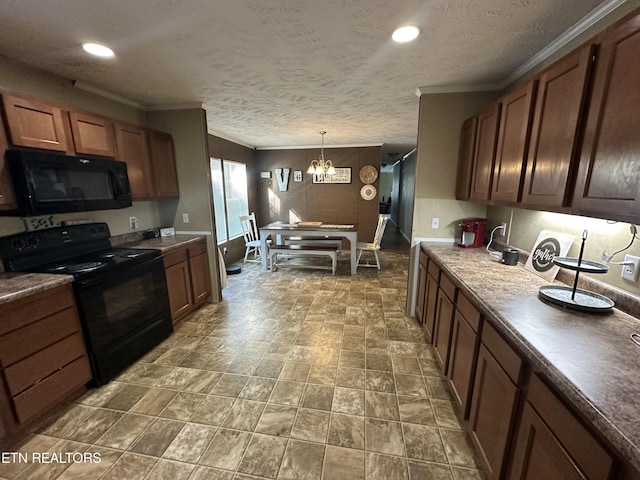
(368, 174)
(368, 192)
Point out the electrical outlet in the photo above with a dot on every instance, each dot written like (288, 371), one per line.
(503, 231)
(185, 218)
(224, 250)
(630, 272)
(435, 223)
(133, 222)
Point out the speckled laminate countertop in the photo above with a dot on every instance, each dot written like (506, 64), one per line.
(589, 358)
(164, 244)
(14, 286)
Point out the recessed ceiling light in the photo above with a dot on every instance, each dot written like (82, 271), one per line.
(98, 50)
(405, 34)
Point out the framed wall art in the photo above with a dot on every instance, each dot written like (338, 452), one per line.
(342, 175)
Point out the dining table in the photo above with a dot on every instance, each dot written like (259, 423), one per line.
(308, 229)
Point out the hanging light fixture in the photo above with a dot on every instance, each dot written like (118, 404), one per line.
(321, 166)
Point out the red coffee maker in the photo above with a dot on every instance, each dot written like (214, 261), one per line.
(471, 234)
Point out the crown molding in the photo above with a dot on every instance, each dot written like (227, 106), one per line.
(306, 147)
(174, 106)
(87, 87)
(583, 25)
(229, 138)
(456, 89)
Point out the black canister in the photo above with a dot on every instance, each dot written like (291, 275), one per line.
(510, 256)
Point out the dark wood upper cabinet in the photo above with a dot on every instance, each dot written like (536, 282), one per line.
(133, 149)
(485, 152)
(7, 199)
(465, 158)
(35, 124)
(555, 133)
(163, 163)
(92, 134)
(608, 180)
(513, 141)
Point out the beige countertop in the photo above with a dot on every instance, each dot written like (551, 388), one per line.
(164, 244)
(14, 286)
(589, 358)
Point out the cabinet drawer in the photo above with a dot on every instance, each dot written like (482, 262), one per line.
(38, 366)
(424, 259)
(508, 359)
(468, 311)
(28, 340)
(175, 256)
(197, 249)
(583, 448)
(448, 287)
(33, 308)
(43, 395)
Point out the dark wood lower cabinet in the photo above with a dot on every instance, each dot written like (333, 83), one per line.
(465, 343)
(431, 299)
(422, 287)
(493, 411)
(442, 330)
(188, 278)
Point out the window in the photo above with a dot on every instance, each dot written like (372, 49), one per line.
(230, 197)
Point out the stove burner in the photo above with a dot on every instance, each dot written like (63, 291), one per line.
(131, 254)
(110, 254)
(77, 267)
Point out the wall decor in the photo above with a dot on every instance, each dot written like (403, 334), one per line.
(368, 192)
(282, 175)
(547, 246)
(368, 174)
(297, 175)
(265, 174)
(342, 175)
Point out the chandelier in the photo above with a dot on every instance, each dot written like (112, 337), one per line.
(321, 166)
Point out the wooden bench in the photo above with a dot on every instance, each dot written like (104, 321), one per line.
(315, 241)
(303, 251)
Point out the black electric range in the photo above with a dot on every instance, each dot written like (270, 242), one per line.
(121, 293)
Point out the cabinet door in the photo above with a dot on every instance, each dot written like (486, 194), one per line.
(92, 135)
(7, 199)
(164, 165)
(179, 289)
(555, 133)
(608, 178)
(431, 300)
(485, 153)
(513, 141)
(462, 362)
(35, 124)
(200, 278)
(422, 292)
(493, 408)
(465, 157)
(132, 147)
(538, 454)
(442, 330)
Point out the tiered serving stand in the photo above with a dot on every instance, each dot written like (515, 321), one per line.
(572, 297)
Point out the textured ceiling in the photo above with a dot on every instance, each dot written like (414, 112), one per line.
(272, 73)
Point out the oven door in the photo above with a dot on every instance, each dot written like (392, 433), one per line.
(124, 314)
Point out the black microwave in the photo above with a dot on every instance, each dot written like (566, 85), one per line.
(46, 183)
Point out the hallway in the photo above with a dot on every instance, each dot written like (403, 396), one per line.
(295, 375)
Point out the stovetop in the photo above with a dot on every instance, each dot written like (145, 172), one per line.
(103, 261)
(79, 250)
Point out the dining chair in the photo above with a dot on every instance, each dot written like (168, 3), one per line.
(372, 247)
(251, 237)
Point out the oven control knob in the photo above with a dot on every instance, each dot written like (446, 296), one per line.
(18, 243)
(33, 241)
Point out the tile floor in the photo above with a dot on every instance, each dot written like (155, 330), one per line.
(296, 375)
